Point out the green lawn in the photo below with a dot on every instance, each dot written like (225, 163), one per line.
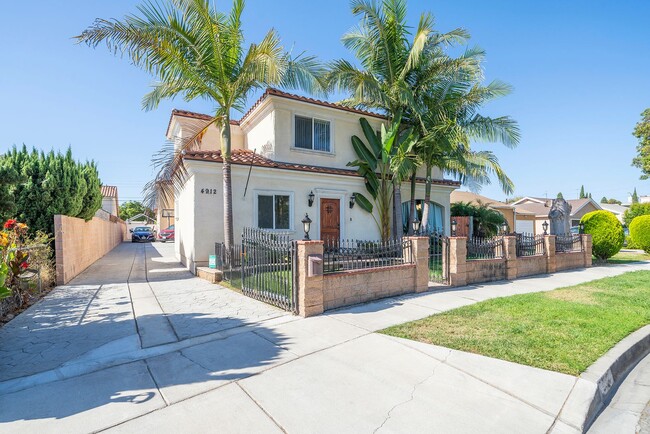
(564, 330)
(627, 257)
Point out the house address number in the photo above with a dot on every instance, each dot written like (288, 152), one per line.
(209, 191)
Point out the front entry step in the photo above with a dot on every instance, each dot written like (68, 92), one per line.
(210, 274)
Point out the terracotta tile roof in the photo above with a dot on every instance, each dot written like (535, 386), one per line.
(276, 92)
(246, 157)
(109, 191)
(192, 115)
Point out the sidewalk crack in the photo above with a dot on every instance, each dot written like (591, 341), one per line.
(411, 398)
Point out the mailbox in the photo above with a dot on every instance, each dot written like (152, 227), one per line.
(315, 265)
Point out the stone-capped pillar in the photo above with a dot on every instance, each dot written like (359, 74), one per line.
(309, 288)
(510, 254)
(420, 252)
(457, 261)
(549, 247)
(587, 244)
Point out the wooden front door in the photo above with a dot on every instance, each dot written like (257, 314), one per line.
(330, 220)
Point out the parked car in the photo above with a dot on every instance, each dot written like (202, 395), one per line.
(166, 234)
(142, 234)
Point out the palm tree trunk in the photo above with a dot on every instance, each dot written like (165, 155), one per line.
(397, 206)
(427, 200)
(412, 204)
(227, 187)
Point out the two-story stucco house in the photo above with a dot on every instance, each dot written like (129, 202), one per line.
(289, 157)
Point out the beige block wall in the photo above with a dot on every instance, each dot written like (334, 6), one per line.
(567, 261)
(79, 243)
(485, 270)
(531, 265)
(359, 286)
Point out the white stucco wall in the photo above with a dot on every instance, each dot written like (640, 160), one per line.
(200, 216)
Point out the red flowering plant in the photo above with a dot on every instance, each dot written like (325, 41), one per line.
(13, 261)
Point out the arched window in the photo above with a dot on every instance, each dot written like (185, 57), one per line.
(436, 221)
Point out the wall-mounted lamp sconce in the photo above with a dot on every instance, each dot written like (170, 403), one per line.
(582, 227)
(454, 225)
(504, 228)
(353, 200)
(545, 227)
(306, 225)
(310, 201)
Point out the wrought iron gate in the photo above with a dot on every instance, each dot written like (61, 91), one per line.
(268, 267)
(438, 258)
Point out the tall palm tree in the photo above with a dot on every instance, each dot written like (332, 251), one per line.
(392, 58)
(452, 122)
(195, 51)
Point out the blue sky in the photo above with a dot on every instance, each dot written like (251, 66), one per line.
(579, 69)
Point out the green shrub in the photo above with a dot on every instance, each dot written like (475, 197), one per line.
(630, 243)
(640, 232)
(635, 210)
(606, 233)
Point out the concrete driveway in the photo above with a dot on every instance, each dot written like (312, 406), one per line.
(160, 350)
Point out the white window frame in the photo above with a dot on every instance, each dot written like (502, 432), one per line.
(273, 193)
(313, 133)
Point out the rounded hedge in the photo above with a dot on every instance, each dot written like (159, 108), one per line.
(606, 233)
(640, 232)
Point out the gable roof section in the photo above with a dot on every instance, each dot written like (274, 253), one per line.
(466, 196)
(278, 93)
(542, 208)
(247, 157)
(191, 115)
(613, 207)
(109, 191)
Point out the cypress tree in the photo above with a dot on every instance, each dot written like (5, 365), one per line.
(635, 197)
(582, 192)
(52, 184)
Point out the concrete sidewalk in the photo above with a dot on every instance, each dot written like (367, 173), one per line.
(281, 373)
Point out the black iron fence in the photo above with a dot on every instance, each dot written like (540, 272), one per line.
(268, 267)
(229, 262)
(485, 248)
(568, 243)
(438, 257)
(344, 255)
(530, 245)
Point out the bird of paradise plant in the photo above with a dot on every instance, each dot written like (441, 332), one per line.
(13, 260)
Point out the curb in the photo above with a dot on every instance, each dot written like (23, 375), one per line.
(598, 384)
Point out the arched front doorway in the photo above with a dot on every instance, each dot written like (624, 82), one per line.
(436, 221)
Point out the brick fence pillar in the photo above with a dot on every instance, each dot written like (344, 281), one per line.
(420, 252)
(587, 245)
(549, 247)
(510, 254)
(457, 261)
(309, 284)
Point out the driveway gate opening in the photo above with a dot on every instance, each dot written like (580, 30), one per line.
(268, 267)
(438, 258)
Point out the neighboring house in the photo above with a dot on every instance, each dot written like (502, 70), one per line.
(289, 158)
(508, 211)
(109, 200)
(617, 210)
(532, 212)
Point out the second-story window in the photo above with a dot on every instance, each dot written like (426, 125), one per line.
(312, 134)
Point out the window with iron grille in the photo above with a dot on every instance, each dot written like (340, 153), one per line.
(273, 211)
(312, 134)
